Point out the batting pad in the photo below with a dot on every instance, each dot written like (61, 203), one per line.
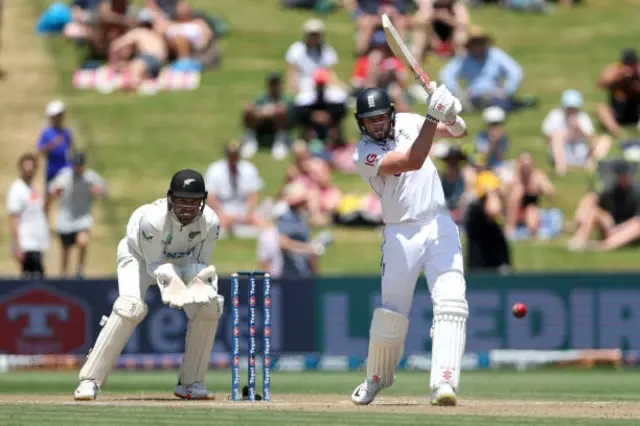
(201, 333)
(386, 344)
(127, 313)
(449, 335)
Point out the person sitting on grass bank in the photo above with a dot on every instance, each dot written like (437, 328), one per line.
(621, 81)
(492, 77)
(149, 50)
(186, 33)
(614, 212)
(267, 119)
(233, 186)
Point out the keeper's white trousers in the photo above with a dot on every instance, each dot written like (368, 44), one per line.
(133, 279)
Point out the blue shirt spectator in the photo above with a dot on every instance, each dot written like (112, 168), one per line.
(55, 141)
(495, 153)
(295, 265)
(483, 76)
(492, 143)
(492, 77)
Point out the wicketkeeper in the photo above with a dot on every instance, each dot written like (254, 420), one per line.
(168, 243)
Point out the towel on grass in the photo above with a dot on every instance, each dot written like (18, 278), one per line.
(106, 80)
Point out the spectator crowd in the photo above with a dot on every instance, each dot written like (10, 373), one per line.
(495, 194)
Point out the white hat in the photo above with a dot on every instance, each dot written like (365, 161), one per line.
(572, 99)
(493, 114)
(313, 25)
(54, 108)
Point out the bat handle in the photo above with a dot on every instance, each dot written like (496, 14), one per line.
(458, 128)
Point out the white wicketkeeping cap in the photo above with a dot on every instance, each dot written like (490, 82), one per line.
(54, 108)
(493, 114)
(313, 25)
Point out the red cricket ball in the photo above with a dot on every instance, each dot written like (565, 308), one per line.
(519, 310)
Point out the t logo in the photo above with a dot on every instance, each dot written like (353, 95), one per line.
(42, 320)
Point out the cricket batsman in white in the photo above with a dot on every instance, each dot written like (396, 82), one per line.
(419, 235)
(168, 243)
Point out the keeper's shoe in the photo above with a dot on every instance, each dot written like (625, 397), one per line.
(196, 391)
(365, 393)
(87, 390)
(444, 396)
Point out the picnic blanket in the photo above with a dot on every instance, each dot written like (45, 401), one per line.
(106, 80)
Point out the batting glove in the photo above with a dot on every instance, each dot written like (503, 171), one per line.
(443, 106)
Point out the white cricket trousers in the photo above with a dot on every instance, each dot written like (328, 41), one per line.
(432, 246)
(133, 279)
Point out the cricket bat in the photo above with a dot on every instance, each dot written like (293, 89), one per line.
(401, 51)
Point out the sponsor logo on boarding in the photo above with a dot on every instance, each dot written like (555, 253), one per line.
(267, 331)
(252, 330)
(267, 302)
(252, 301)
(42, 320)
(267, 361)
(370, 159)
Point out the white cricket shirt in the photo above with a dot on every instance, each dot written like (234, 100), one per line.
(306, 62)
(233, 195)
(556, 121)
(33, 231)
(405, 197)
(157, 237)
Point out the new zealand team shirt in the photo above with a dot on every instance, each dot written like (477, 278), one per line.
(157, 237)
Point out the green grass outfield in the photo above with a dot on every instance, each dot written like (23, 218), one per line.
(137, 142)
(544, 397)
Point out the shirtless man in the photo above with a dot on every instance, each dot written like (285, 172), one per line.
(523, 195)
(149, 47)
(187, 33)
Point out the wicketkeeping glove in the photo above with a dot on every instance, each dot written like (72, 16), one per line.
(203, 288)
(172, 287)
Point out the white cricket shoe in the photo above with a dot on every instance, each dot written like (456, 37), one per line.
(249, 148)
(444, 396)
(196, 391)
(279, 150)
(87, 390)
(367, 391)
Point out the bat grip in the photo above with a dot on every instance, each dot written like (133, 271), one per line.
(458, 128)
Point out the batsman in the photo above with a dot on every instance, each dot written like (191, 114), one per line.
(419, 236)
(168, 243)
